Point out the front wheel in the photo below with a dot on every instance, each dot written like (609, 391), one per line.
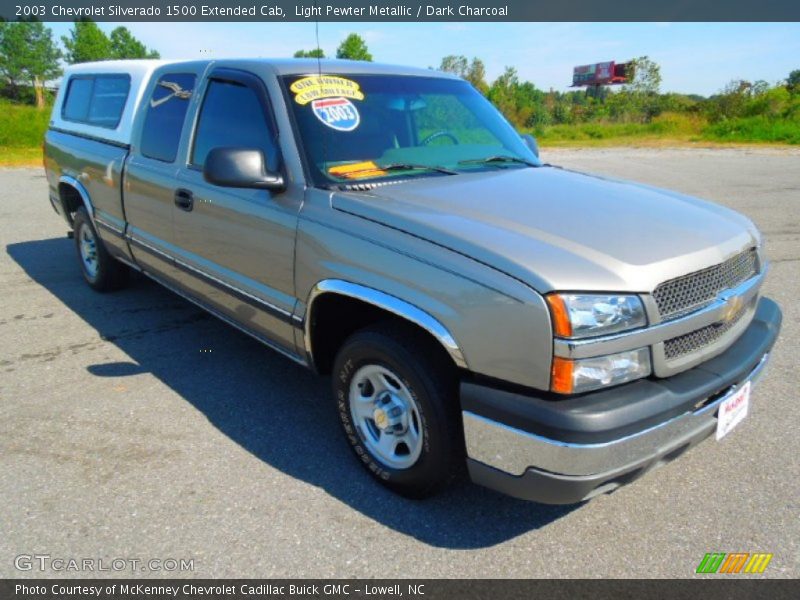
(396, 397)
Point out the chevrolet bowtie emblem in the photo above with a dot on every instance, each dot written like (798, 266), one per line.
(733, 306)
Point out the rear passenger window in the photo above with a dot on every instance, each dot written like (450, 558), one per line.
(96, 99)
(232, 116)
(166, 112)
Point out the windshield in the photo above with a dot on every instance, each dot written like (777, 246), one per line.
(357, 128)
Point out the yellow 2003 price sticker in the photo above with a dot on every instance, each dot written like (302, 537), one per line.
(315, 87)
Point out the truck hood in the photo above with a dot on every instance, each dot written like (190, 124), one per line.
(556, 229)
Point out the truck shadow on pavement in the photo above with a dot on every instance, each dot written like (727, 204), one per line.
(276, 410)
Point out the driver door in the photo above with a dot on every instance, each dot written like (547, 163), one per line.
(235, 247)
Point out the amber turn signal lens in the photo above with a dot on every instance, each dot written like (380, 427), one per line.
(562, 326)
(561, 375)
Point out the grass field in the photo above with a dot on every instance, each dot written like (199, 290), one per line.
(22, 129)
(671, 129)
(21, 133)
(665, 126)
(20, 157)
(761, 129)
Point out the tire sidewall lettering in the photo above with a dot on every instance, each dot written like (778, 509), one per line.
(344, 377)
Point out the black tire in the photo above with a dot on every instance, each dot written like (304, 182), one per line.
(110, 274)
(427, 373)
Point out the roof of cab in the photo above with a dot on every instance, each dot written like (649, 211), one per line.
(131, 67)
(281, 66)
(301, 66)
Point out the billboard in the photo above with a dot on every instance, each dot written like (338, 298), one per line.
(604, 73)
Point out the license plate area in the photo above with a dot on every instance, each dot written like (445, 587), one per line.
(733, 410)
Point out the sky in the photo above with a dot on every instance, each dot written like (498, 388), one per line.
(695, 58)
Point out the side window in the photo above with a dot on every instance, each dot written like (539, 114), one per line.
(233, 116)
(96, 99)
(79, 95)
(108, 100)
(166, 111)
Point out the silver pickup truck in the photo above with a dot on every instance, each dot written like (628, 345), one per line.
(553, 334)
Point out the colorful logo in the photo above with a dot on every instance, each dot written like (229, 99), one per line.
(734, 562)
(316, 87)
(337, 113)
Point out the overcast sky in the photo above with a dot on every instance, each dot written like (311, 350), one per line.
(695, 58)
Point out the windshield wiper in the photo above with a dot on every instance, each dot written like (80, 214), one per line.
(417, 167)
(499, 158)
(405, 167)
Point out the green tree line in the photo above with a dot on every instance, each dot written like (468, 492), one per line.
(639, 101)
(353, 47)
(30, 57)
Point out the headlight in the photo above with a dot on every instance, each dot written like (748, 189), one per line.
(576, 376)
(586, 315)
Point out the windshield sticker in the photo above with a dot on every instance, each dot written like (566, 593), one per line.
(337, 113)
(325, 86)
(359, 170)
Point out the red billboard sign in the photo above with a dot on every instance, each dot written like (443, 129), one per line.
(604, 73)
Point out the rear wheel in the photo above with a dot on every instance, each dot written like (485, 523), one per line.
(397, 401)
(99, 269)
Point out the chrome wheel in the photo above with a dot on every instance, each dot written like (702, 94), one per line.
(87, 245)
(386, 416)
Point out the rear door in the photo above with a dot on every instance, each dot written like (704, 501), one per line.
(151, 172)
(235, 247)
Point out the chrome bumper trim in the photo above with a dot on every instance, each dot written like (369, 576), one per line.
(514, 451)
(648, 336)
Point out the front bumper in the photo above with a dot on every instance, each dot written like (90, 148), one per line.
(562, 451)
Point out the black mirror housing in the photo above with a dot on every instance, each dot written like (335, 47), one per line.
(240, 168)
(531, 143)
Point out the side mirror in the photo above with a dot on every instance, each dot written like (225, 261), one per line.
(530, 142)
(240, 168)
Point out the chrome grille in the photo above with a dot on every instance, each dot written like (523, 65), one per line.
(700, 338)
(685, 294)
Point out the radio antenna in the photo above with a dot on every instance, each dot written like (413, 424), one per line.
(316, 33)
(319, 74)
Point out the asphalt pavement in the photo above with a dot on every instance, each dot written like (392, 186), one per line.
(134, 426)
